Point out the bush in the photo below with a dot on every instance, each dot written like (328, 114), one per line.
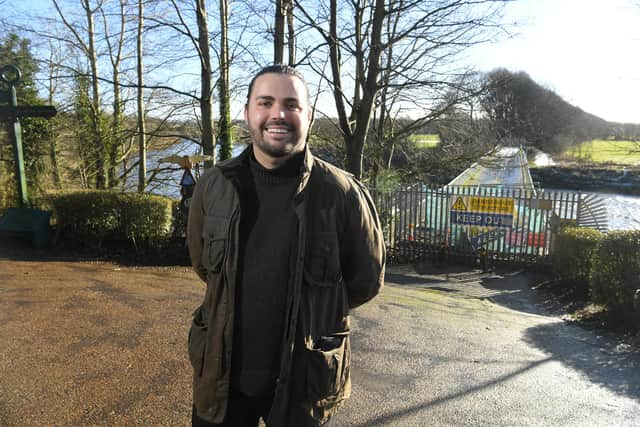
(93, 216)
(616, 271)
(573, 252)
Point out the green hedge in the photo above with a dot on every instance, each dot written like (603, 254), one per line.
(616, 271)
(93, 216)
(573, 252)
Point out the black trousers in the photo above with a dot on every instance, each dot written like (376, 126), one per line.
(243, 411)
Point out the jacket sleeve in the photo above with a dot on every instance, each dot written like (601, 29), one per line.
(194, 230)
(363, 253)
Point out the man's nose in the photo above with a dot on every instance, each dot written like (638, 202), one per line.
(278, 111)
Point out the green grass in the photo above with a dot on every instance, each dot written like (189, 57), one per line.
(606, 151)
(425, 140)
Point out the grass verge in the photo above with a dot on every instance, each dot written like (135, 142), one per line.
(606, 151)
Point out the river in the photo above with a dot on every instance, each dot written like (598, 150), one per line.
(623, 210)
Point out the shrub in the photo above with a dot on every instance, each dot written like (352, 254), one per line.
(616, 271)
(573, 251)
(93, 216)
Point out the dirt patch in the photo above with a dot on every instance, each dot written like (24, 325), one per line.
(93, 342)
(572, 304)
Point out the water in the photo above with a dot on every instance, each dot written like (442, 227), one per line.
(623, 210)
(540, 158)
(167, 177)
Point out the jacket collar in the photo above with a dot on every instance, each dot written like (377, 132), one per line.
(307, 166)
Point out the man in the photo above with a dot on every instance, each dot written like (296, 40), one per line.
(286, 244)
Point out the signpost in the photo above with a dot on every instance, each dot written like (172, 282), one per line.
(188, 181)
(10, 75)
(33, 222)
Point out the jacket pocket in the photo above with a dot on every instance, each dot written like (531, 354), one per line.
(215, 232)
(322, 265)
(327, 367)
(197, 341)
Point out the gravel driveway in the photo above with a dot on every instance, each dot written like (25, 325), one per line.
(89, 343)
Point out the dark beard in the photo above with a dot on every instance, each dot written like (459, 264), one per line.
(271, 151)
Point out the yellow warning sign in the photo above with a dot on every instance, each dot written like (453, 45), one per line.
(459, 205)
(498, 205)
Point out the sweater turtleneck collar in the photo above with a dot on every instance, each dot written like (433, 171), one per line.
(289, 170)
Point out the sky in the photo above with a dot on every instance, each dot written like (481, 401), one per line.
(587, 51)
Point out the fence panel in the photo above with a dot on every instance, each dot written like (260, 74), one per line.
(511, 224)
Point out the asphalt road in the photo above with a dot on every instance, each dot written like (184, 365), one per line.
(469, 349)
(91, 343)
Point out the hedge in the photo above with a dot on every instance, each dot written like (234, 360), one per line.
(93, 216)
(616, 271)
(574, 248)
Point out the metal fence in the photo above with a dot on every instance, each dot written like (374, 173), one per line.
(458, 222)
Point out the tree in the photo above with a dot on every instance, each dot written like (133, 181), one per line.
(519, 108)
(88, 47)
(225, 130)
(407, 46)
(142, 145)
(284, 13)
(116, 56)
(206, 89)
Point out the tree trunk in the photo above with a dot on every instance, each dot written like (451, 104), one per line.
(206, 108)
(96, 111)
(142, 146)
(53, 148)
(115, 142)
(225, 135)
(291, 35)
(355, 150)
(115, 130)
(356, 127)
(278, 33)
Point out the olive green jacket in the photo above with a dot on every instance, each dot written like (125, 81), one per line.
(339, 266)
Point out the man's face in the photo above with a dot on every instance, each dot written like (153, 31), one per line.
(278, 116)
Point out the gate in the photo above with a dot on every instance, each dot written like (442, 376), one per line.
(511, 224)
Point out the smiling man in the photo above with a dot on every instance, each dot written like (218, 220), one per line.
(287, 244)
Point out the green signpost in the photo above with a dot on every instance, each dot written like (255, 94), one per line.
(10, 75)
(22, 220)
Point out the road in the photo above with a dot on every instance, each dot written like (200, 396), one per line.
(94, 343)
(471, 349)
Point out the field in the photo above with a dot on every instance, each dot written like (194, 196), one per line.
(606, 151)
(425, 140)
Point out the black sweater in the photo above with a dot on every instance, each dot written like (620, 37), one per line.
(268, 228)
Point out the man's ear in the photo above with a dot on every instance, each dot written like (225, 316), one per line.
(246, 113)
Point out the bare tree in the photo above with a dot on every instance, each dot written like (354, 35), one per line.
(225, 134)
(206, 88)
(407, 46)
(88, 47)
(142, 146)
(116, 56)
(53, 72)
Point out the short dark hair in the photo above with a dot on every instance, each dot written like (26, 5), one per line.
(278, 69)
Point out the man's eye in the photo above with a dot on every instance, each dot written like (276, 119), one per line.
(294, 107)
